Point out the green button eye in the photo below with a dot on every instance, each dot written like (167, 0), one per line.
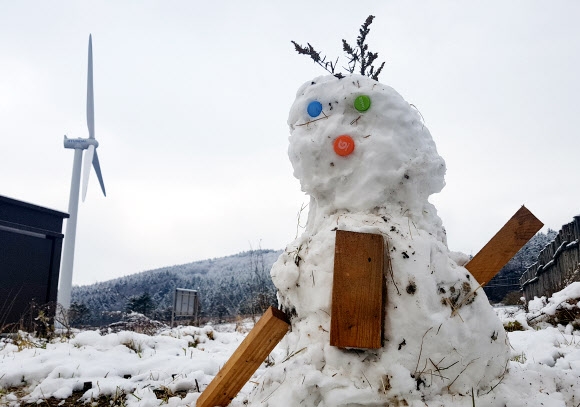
(362, 103)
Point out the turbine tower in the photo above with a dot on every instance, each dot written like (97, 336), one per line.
(78, 145)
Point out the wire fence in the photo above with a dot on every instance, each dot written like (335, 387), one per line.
(504, 282)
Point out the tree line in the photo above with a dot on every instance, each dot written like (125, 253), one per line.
(228, 286)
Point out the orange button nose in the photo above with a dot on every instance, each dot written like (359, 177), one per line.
(343, 145)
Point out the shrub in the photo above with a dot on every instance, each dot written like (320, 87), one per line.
(513, 326)
(513, 298)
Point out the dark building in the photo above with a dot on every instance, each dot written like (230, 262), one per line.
(30, 249)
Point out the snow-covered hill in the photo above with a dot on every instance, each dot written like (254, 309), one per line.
(227, 286)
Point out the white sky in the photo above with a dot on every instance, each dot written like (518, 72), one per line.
(191, 102)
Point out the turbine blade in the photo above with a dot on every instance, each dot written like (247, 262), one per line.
(97, 167)
(90, 95)
(87, 169)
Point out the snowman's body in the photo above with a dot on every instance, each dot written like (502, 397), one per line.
(440, 335)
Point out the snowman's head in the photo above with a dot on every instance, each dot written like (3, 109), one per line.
(356, 144)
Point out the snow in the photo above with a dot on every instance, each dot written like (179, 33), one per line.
(541, 306)
(179, 359)
(560, 249)
(394, 160)
(544, 367)
(461, 344)
(441, 335)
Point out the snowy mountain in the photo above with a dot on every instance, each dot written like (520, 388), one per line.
(228, 286)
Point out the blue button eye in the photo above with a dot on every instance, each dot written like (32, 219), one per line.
(314, 108)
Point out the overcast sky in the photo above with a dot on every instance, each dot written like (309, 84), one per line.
(191, 103)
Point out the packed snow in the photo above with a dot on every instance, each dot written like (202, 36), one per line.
(369, 164)
(544, 366)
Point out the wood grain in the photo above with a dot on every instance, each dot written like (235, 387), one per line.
(504, 245)
(358, 291)
(240, 367)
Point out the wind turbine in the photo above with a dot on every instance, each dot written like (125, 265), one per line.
(79, 144)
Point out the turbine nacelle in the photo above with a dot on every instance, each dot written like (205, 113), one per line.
(79, 143)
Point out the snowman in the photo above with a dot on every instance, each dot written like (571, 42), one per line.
(369, 164)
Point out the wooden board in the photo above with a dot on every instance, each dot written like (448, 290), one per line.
(504, 245)
(240, 367)
(358, 291)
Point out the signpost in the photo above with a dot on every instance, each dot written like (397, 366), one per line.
(185, 304)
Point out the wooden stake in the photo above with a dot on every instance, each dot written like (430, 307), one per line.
(504, 245)
(358, 291)
(240, 367)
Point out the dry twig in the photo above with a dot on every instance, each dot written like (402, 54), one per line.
(460, 373)
(312, 121)
(391, 273)
(293, 354)
(421, 350)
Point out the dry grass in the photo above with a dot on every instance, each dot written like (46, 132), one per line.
(512, 326)
(119, 399)
(566, 313)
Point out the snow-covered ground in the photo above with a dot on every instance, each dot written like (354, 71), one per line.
(168, 368)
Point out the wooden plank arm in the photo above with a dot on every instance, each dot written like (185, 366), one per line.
(244, 362)
(504, 245)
